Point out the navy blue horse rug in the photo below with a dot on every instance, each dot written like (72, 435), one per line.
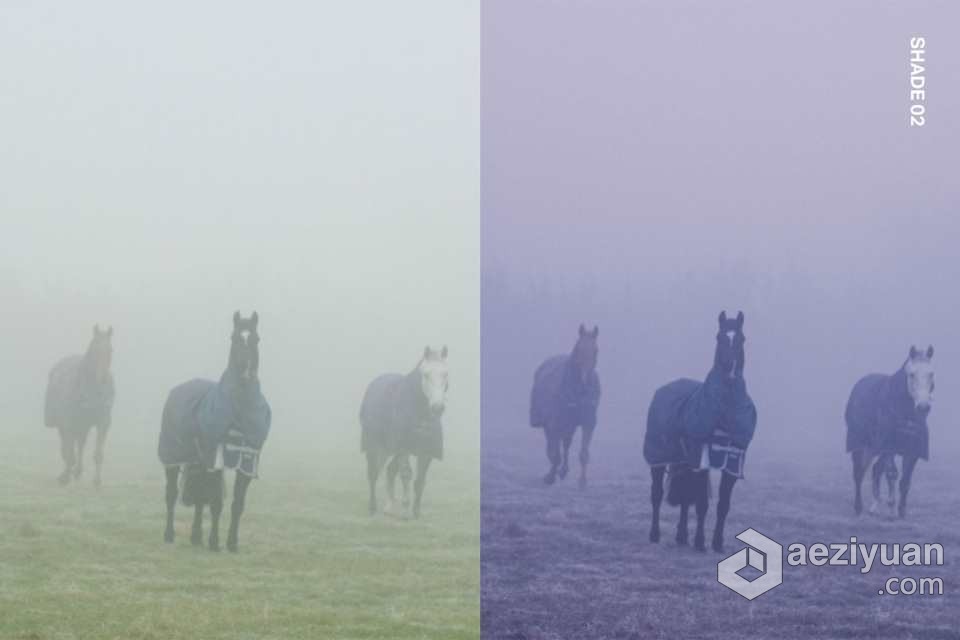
(215, 425)
(559, 395)
(395, 417)
(881, 417)
(703, 425)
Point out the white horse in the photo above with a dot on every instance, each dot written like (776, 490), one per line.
(886, 416)
(401, 416)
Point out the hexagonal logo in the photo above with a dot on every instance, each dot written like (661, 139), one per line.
(763, 554)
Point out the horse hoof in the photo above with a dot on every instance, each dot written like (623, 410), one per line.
(549, 479)
(562, 473)
(168, 537)
(64, 478)
(215, 547)
(857, 507)
(196, 541)
(682, 540)
(654, 536)
(232, 547)
(717, 546)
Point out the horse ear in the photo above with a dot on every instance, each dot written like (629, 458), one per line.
(740, 319)
(236, 319)
(722, 320)
(929, 352)
(253, 320)
(583, 330)
(596, 331)
(426, 352)
(443, 352)
(913, 352)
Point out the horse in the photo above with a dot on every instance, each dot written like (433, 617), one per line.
(695, 426)
(79, 396)
(208, 426)
(886, 416)
(565, 395)
(400, 416)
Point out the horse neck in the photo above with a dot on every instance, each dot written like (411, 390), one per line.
(574, 368)
(898, 396)
(414, 387)
(717, 384)
(90, 367)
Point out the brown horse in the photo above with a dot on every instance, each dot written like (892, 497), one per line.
(80, 396)
(565, 395)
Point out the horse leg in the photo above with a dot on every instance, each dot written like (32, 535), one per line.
(891, 475)
(875, 474)
(585, 437)
(216, 508)
(702, 489)
(196, 531)
(67, 452)
(861, 460)
(553, 454)
(392, 467)
(727, 481)
(656, 498)
(406, 474)
(98, 453)
(909, 462)
(682, 535)
(566, 441)
(423, 463)
(173, 473)
(373, 472)
(81, 440)
(240, 487)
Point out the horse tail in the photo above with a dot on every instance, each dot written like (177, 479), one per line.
(684, 485)
(190, 489)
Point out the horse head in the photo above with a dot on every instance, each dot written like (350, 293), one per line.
(100, 352)
(434, 379)
(729, 356)
(920, 383)
(585, 352)
(244, 348)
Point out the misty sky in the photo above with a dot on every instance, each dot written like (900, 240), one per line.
(648, 164)
(633, 137)
(165, 165)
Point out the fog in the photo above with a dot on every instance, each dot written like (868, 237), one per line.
(166, 166)
(645, 167)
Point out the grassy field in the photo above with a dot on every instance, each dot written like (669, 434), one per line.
(77, 563)
(562, 563)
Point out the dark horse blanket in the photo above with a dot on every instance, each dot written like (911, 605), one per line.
(75, 400)
(559, 395)
(881, 417)
(215, 425)
(395, 417)
(686, 415)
